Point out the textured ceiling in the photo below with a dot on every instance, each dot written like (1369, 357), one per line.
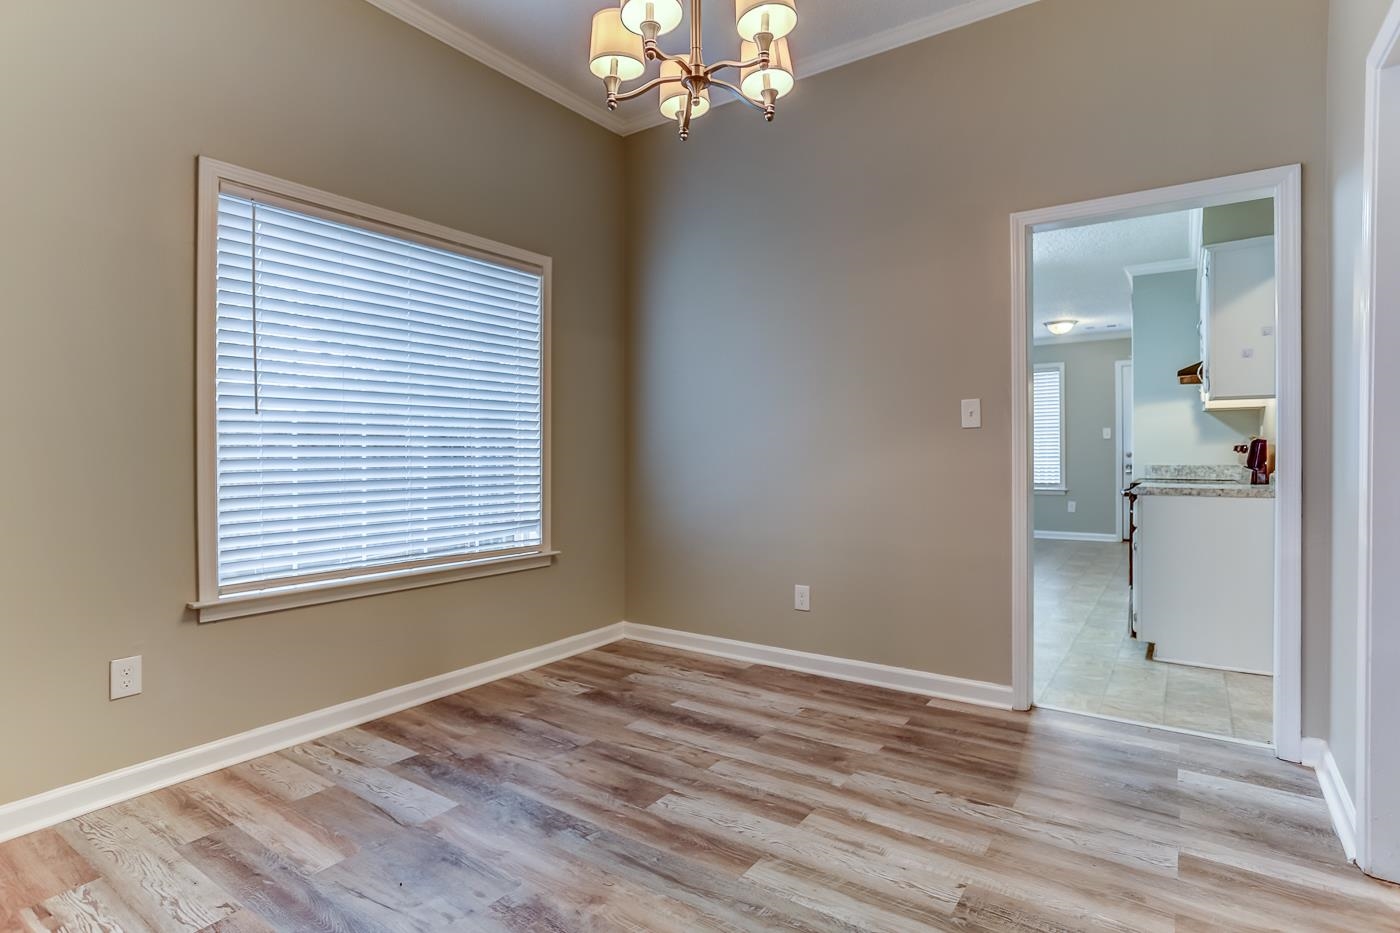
(549, 38)
(1078, 272)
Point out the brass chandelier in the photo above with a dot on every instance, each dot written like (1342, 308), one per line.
(624, 40)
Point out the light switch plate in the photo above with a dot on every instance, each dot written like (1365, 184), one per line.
(972, 413)
(1108, 434)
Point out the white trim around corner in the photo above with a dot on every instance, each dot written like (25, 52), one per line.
(64, 803)
(1377, 295)
(1318, 756)
(943, 687)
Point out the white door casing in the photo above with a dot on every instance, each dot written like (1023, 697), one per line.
(1284, 186)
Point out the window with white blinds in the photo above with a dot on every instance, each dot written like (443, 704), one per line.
(379, 401)
(1048, 425)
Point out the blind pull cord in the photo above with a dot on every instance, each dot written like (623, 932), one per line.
(257, 389)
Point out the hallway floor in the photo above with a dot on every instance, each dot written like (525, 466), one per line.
(1085, 660)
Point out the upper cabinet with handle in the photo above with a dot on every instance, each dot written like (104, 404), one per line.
(1238, 314)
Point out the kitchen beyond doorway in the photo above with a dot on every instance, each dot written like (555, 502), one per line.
(1086, 662)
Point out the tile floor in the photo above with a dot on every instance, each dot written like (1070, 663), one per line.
(1085, 660)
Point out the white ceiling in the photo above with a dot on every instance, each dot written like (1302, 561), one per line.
(1078, 272)
(543, 44)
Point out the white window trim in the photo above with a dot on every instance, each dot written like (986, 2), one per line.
(216, 177)
(1062, 487)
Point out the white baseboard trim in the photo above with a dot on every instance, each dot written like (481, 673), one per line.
(976, 692)
(1317, 754)
(1109, 538)
(64, 803)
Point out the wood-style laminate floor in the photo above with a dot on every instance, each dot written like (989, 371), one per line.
(638, 788)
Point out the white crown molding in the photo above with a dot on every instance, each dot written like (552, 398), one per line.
(644, 118)
(964, 14)
(473, 47)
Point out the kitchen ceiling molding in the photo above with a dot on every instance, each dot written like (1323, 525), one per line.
(1091, 336)
(473, 47)
(1156, 268)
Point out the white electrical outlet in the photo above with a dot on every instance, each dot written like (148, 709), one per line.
(1072, 505)
(126, 677)
(802, 598)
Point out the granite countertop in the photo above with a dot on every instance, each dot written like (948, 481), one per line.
(1225, 482)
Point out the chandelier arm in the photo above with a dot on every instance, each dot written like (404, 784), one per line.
(737, 93)
(720, 66)
(651, 85)
(660, 56)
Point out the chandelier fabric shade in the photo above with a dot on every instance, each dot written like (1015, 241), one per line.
(753, 17)
(625, 41)
(777, 77)
(665, 13)
(615, 51)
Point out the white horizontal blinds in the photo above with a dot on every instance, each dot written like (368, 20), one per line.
(379, 400)
(1048, 426)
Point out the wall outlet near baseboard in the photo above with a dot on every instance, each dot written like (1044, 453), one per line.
(1071, 505)
(126, 677)
(802, 598)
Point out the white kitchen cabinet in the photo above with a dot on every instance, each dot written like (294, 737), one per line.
(1203, 580)
(1238, 320)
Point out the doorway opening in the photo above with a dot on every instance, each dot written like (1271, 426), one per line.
(1157, 348)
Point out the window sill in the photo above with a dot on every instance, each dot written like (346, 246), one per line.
(330, 591)
(1051, 490)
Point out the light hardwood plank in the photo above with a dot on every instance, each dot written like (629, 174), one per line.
(640, 788)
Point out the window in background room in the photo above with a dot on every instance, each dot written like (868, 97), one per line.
(1048, 435)
(378, 400)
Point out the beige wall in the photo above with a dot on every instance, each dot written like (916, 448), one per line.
(105, 107)
(811, 299)
(1353, 28)
(1091, 460)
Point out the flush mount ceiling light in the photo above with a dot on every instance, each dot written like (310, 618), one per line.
(1061, 327)
(624, 40)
